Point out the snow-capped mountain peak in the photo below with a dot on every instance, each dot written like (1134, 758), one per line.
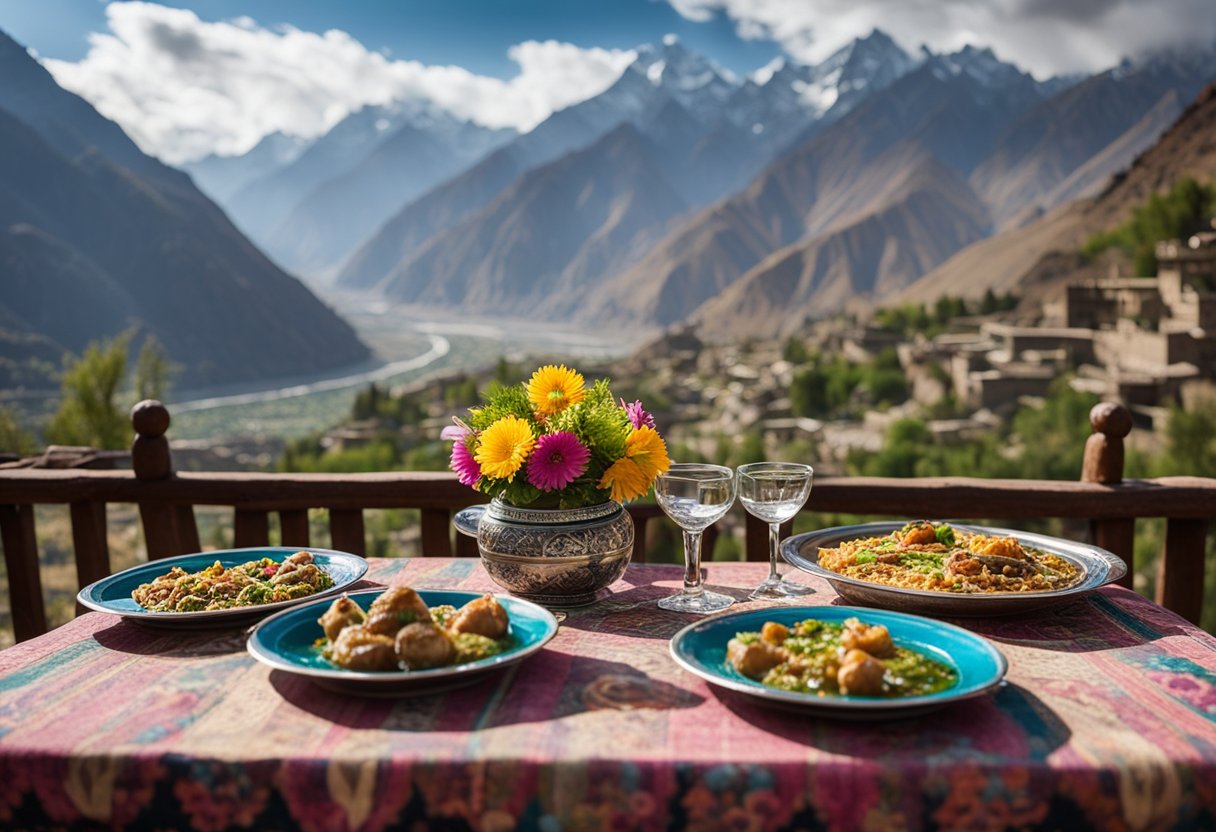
(692, 79)
(783, 91)
(980, 65)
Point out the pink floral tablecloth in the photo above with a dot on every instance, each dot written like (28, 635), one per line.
(1108, 721)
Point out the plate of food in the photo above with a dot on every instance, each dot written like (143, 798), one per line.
(401, 641)
(226, 587)
(840, 661)
(951, 569)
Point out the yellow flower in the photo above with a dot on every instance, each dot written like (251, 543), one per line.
(552, 389)
(645, 458)
(645, 447)
(504, 446)
(626, 479)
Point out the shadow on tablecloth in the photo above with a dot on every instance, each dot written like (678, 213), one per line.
(1096, 622)
(545, 687)
(1011, 722)
(140, 640)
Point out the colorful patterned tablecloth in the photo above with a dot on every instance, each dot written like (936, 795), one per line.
(1108, 721)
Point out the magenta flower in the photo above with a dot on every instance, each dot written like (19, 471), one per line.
(638, 415)
(466, 467)
(557, 460)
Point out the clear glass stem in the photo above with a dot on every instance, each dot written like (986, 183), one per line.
(774, 543)
(692, 562)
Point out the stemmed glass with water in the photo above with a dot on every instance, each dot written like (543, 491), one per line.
(695, 496)
(774, 492)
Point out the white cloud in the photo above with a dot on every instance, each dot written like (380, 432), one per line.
(1045, 37)
(183, 87)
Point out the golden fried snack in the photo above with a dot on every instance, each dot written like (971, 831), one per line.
(397, 607)
(860, 674)
(755, 659)
(482, 616)
(341, 614)
(870, 638)
(774, 633)
(421, 645)
(357, 649)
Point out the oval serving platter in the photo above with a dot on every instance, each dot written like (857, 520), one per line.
(1098, 568)
(112, 594)
(700, 648)
(288, 642)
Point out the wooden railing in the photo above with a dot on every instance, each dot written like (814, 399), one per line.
(167, 500)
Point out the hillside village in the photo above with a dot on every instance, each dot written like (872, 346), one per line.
(1146, 341)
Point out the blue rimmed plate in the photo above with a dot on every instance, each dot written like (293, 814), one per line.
(700, 648)
(1097, 566)
(288, 642)
(113, 594)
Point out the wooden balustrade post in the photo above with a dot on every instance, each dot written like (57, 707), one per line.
(1103, 463)
(1180, 569)
(755, 539)
(24, 577)
(168, 529)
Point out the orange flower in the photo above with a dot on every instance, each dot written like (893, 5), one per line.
(645, 458)
(626, 479)
(645, 447)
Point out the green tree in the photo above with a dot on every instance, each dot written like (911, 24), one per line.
(794, 351)
(15, 439)
(1190, 437)
(1053, 436)
(1188, 207)
(152, 370)
(88, 413)
(808, 392)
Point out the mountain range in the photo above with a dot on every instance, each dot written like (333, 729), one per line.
(96, 238)
(684, 193)
(681, 193)
(1034, 259)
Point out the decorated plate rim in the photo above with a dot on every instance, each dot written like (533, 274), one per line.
(272, 659)
(235, 556)
(1084, 555)
(845, 702)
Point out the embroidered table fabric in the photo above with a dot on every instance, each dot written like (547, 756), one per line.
(1108, 720)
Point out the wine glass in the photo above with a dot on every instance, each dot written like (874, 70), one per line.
(695, 496)
(774, 492)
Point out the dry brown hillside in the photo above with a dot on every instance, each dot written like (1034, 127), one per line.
(929, 214)
(1032, 254)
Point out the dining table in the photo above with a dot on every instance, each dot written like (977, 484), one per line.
(1106, 719)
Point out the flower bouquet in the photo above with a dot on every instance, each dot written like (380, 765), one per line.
(554, 443)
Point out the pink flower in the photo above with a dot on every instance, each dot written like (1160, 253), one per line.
(466, 467)
(638, 415)
(557, 460)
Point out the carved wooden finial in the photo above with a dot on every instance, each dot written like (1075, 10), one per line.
(1103, 460)
(150, 450)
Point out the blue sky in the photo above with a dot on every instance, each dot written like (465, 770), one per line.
(186, 78)
(475, 34)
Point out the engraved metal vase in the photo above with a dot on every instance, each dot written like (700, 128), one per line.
(555, 557)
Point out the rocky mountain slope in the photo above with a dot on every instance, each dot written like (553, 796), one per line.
(1027, 259)
(540, 246)
(96, 238)
(1099, 124)
(711, 135)
(950, 110)
(929, 214)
